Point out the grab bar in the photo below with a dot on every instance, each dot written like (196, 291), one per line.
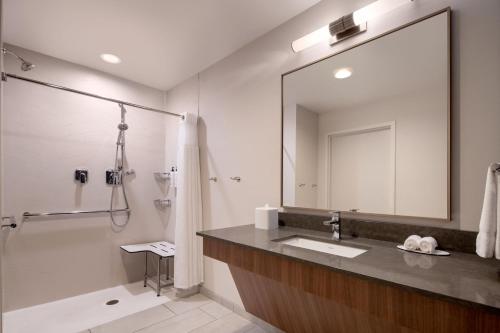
(27, 215)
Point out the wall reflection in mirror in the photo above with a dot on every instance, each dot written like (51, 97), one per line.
(367, 130)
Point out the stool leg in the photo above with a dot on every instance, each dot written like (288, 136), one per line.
(146, 271)
(168, 268)
(158, 286)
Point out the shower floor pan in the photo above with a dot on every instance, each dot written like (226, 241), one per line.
(79, 313)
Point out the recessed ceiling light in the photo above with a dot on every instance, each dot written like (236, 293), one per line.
(111, 58)
(342, 73)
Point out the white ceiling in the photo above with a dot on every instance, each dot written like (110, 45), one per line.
(160, 42)
(409, 61)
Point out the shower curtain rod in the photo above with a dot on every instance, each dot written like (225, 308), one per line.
(55, 86)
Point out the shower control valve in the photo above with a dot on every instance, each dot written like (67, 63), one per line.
(82, 176)
(113, 177)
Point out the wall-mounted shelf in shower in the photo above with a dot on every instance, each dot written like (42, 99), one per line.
(162, 176)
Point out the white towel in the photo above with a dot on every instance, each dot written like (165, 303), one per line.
(412, 242)
(488, 238)
(428, 244)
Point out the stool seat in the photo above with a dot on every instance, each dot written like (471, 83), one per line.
(163, 249)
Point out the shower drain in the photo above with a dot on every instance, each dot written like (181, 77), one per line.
(112, 302)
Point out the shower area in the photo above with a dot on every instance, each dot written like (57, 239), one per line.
(83, 174)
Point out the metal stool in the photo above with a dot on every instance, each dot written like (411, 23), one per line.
(163, 250)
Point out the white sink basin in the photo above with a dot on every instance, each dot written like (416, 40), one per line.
(325, 247)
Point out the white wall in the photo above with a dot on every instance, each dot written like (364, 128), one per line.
(1, 170)
(46, 134)
(241, 109)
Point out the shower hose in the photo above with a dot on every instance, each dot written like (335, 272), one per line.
(118, 172)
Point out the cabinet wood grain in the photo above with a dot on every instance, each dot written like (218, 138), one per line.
(298, 296)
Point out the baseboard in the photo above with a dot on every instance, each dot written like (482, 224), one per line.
(238, 309)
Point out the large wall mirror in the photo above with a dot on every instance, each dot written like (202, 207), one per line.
(367, 129)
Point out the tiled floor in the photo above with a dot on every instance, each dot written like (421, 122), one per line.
(193, 314)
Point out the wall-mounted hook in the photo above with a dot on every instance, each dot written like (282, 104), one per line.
(12, 220)
(212, 179)
(236, 178)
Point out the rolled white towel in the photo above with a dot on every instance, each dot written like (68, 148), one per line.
(428, 244)
(412, 242)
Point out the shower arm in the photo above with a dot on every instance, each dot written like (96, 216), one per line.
(7, 51)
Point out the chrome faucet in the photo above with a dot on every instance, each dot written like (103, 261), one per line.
(335, 223)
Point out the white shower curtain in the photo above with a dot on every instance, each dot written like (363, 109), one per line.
(188, 263)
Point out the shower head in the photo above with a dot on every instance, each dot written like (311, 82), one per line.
(25, 65)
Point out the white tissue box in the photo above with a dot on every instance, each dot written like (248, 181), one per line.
(266, 217)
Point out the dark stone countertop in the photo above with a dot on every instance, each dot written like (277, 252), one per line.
(460, 277)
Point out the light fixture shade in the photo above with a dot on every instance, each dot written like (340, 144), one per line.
(315, 37)
(376, 8)
(359, 17)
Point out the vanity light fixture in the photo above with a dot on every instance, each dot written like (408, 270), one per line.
(342, 73)
(110, 58)
(348, 25)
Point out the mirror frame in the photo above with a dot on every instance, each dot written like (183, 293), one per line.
(446, 10)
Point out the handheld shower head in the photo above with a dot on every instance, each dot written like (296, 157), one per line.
(25, 65)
